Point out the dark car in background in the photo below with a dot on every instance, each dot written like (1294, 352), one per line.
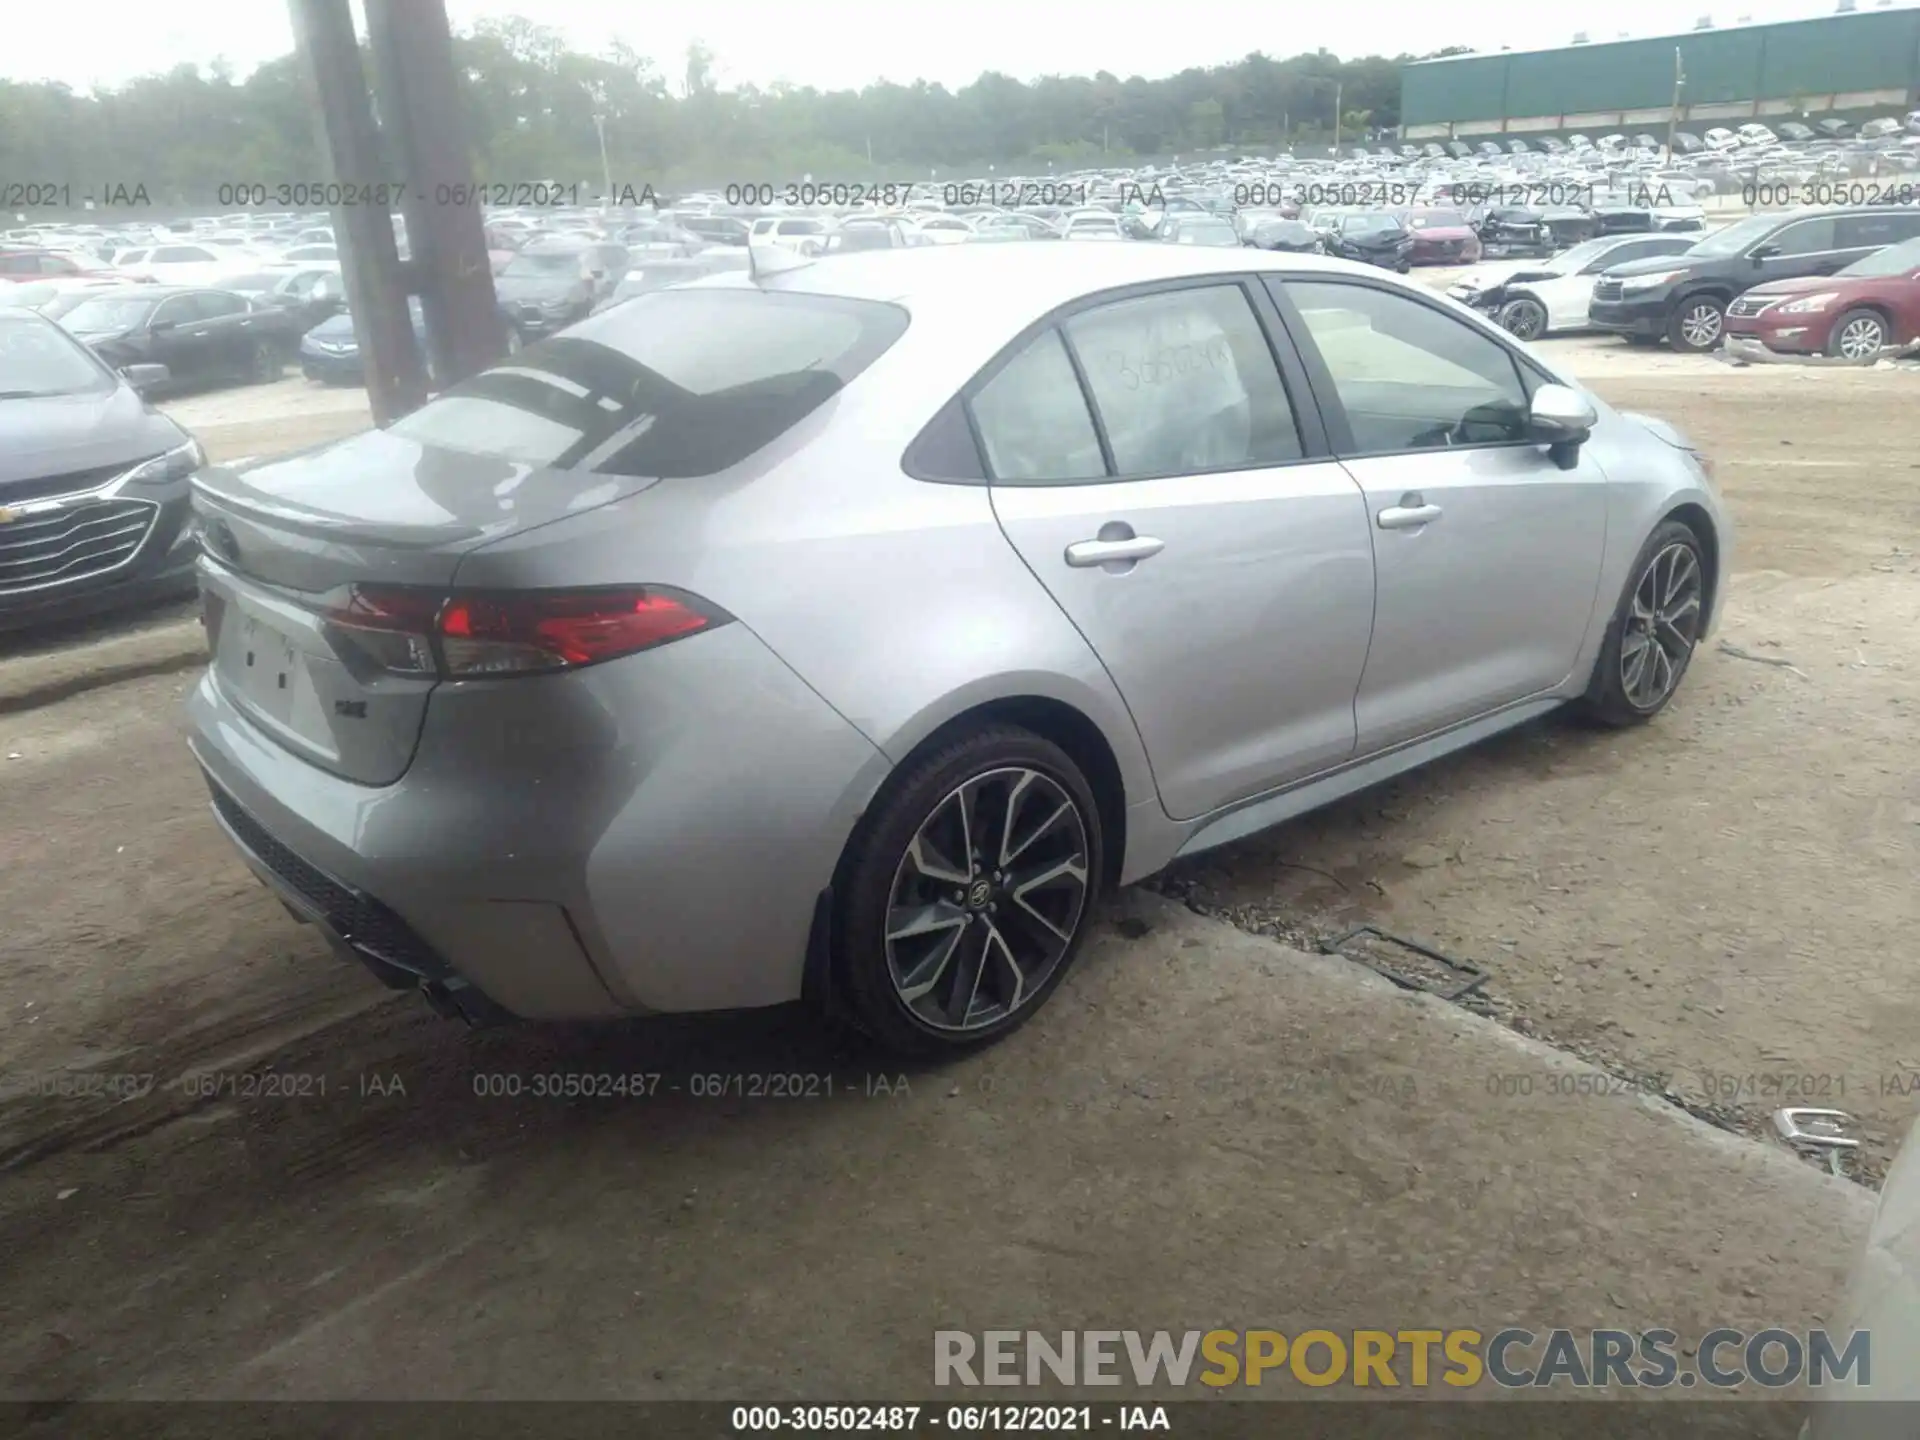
(1856, 313)
(309, 294)
(199, 335)
(1373, 237)
(551, 283)
(330, 351)
(717, 229)
(1277, 233)
(93, 481)
(1513, 230)
(1685, 298)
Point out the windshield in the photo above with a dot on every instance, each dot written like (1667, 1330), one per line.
(1894, 260)
(546, 263)
(36, 359)
(107, 315)
(1737, 237)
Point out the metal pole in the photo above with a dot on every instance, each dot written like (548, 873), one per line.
(1339, 87)
(606, 165)
(1673, 120)
(369, 255)
(421, 104)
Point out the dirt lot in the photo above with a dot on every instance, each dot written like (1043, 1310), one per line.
(1720, 901)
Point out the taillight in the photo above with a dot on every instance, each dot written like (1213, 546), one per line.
(464, 634)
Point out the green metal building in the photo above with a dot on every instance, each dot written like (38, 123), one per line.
(1854, 65)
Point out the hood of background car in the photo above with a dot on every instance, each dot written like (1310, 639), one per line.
(1491, 277)
(334, 330)
(65, 433)
(1652, 265)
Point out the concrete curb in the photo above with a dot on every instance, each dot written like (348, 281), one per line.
(30, 681)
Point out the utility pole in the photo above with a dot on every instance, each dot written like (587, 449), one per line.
(1679, 84)
(421, 108)
(606, 165)
(369, 255)
(1339, 87)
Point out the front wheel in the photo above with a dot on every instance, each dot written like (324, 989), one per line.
(1859, 336)
(1650, 639)
(968, 891)
(1524, 318)
(263, 363)
(1696, 324)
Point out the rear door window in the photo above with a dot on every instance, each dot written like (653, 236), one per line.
(1033, 419)
(675, 383)
(1863, 232)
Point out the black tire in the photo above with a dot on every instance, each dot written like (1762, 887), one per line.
(263, 363)
(1863, 323)
(1698, 324)
(1607, 700)
(877, 862)
(1524, 318)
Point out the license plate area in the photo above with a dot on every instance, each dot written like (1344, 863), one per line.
(264, 666)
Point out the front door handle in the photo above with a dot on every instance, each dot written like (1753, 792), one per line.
(1085, 554)
(1410, 514)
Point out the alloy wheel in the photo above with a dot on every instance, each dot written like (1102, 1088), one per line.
(987, 899)
(1862, 337)
(1701, 326)
(1524, 319)
(1663, 622)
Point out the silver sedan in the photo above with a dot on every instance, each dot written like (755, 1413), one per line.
(842, 633)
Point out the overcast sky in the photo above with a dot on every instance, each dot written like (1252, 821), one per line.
(848, 43)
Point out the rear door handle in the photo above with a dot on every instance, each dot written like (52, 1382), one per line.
(1410, 514)
(1084, 554)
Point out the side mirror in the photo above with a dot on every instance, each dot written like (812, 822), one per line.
(159, 325)
(1561, 419)
(1764, 252)
(146, 378)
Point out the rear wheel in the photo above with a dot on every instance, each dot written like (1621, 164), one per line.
(263, 362)
(968, 891)
(1697, 323)
(1650, 639)
(1524, 318)
(1859, 336)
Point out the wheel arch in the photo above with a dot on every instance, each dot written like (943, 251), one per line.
(1053, 719)
(1696, 519)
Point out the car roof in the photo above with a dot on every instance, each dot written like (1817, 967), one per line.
(1012, 285)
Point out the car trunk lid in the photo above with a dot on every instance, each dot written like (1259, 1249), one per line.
(285, 542)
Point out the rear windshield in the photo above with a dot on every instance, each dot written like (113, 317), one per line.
(675, 384)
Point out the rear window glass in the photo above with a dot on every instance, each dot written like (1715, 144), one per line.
(675, 383)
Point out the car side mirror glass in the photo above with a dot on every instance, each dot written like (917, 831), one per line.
(1764, 252)
(164, 325)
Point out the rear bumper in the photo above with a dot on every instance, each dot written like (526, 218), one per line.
(627, 839)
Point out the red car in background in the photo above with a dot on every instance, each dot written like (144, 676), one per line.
(1442, 237)
(19, 265)
(1852, 314)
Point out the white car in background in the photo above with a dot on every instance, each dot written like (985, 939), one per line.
(1533, 298)
(947, 229)
(805, 234)
(181, 263)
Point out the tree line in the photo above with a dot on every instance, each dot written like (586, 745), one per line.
(537, 110)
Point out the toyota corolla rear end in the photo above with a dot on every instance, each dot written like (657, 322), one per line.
(478, 710)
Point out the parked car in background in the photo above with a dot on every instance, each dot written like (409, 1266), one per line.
(182, 264)
(1507, 230)
(1442, 237)
(717, 229)
(552, 282)
(330, 352)
(659, 274)
(1372, 237)
(1094, 225)
(93, 481)
(1854, 314)
(1684, 299)
(842, 550)
(30, 265)
(1275, 233)
(308, 293)
(806, 234)
(1534, 298)
(199, 335)
(1192, 229)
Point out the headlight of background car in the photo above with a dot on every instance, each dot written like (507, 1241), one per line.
(1650, 282)
(178, 462)
(1807, 304)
